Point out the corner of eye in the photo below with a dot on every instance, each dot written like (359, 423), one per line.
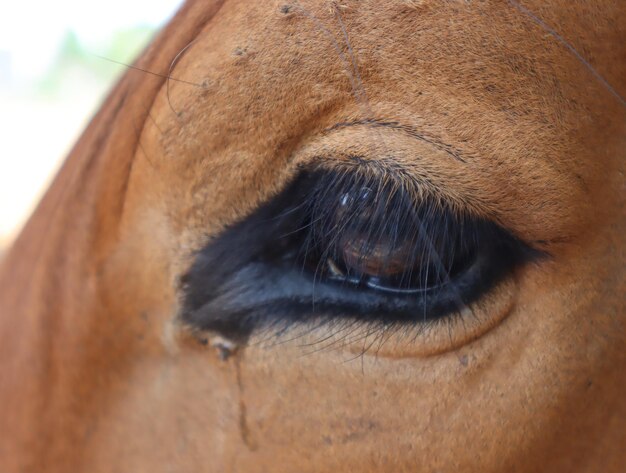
(178, 334)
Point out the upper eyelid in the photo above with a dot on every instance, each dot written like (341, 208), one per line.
(422, 157)
(380, 171)
(388, 166)
(407, 130)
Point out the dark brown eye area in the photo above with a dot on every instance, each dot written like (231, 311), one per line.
(380, 259)
(382, 239)
(361, 252)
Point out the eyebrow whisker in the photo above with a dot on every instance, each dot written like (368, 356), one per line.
(551, 31)
(146, 71)
(169, 74)
(394, 125)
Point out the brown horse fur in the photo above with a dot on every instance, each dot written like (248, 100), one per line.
(98, 375)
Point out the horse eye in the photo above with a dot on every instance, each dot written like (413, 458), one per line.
(383, 241)
(358, 252)
(340, 245)
(362, 253)
(366, 256)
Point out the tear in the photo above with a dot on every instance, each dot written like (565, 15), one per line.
(225, 347)
(246, 436)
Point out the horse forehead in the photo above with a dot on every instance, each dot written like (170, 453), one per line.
(469, 57)
(423, 36)
(481, 73)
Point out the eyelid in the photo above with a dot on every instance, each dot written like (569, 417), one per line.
(486, 184)
(408, 130)
(429, 170)
(388, 338)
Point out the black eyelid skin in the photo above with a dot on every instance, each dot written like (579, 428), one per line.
(338, 245)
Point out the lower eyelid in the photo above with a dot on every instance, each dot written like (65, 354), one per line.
(261, 297)
(399, 341)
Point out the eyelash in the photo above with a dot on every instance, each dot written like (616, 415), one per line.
(311, 254)
(366, 234)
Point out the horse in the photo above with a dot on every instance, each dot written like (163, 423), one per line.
(321, 236)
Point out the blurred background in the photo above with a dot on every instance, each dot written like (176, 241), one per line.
(52, 79)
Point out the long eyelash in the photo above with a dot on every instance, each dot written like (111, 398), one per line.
(393, 199)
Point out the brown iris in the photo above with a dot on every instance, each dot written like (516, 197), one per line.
(379, 259)
(372, 241)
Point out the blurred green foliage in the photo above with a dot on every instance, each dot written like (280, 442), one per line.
(77, 62)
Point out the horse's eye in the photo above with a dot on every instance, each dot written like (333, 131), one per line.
(367, 235)
(383, 245)
(347, 245)
(364, 255)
